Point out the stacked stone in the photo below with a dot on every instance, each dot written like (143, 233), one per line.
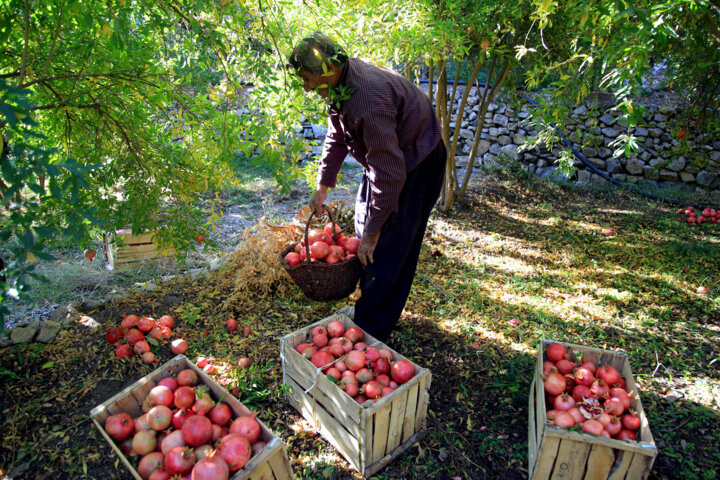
(661, 160)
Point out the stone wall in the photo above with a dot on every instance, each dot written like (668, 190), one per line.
(662, 160)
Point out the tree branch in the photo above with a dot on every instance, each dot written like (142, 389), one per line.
(54, 41)
(26, 35)
(65, 104)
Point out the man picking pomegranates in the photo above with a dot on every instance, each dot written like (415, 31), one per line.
(389, 126)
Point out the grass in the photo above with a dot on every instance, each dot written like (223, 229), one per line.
(522, 260)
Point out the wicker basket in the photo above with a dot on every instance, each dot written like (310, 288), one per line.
(321, 281)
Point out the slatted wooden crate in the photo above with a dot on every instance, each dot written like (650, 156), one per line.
(133, 250)
(561, 454)
(371, 435)
(270, 464)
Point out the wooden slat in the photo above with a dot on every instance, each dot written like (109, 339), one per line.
(329, 428)
(280, 464)
(423, 401)
(532, 439)
(366, 444)
(621, 465)
(408, 425)
(639, 468)
(546, 458)
(380, 432)
(570, 460)
(599, 463)
(329, 393)
(383, 462)
(261, 472)
(397, 414)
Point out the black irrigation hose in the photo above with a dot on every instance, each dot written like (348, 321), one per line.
(592, 167)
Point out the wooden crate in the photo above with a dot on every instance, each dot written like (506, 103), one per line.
(368, 436)
(270, 464)
(557, 453)
(133, 250)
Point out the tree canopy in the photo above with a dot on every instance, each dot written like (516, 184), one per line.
(122, 113)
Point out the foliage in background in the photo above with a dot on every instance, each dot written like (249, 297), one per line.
(121, 113)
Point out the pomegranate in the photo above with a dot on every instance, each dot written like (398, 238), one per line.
(167, 321)
(319, 249)
(211, 467)
(258, 447)
(547, 367)
(590, 366)
(178, 346)
(217, 434)
(141, 346)
(133, 336)
(614, 426)
(141, 423)
(621, 395)
(577, 416)
(631, 421)
(203, 401)
(159, 474)
(180, 460)
(144, 442)
(564, 402)
(592, 426)
(246, 426)
(123, 350)
(383, 379)
(626, 435)
(354, 334)
(244, 362)
(149, 463)
(129, 321)
(554, 383)
(309, 351)
(555, 352)
(364, 375)
(373, 389)
(608, 374)
(581, 392)
(231, 324)
(583, 376)
(599, 388)
(565, 366)
(197, 430)
(564, 420)
(160, 395)
(355, 360)
(320, 340)
(112, 335)
(360, 399)
(159, 417)
(334, 372)
(188, 377)
(301, 346)
(614, 406)
(352, 244)
(179, 417)
(371, 354)
(336, 329)
(351, 389)
(172, 440)
(220, 414)
(322, 359)
(202, 451)
(170, 383)
(119, 426)
(145, 324)
(184, 397)
(401, 371)
(361, 346)
(293, 259)
(235, 450)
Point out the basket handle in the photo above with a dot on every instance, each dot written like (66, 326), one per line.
(307, 230)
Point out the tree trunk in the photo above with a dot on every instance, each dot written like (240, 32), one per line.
(489, 95)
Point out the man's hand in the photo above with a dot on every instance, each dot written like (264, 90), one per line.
(317, 201)
(367, 247)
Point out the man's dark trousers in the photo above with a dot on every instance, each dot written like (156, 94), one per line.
(385, 284)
